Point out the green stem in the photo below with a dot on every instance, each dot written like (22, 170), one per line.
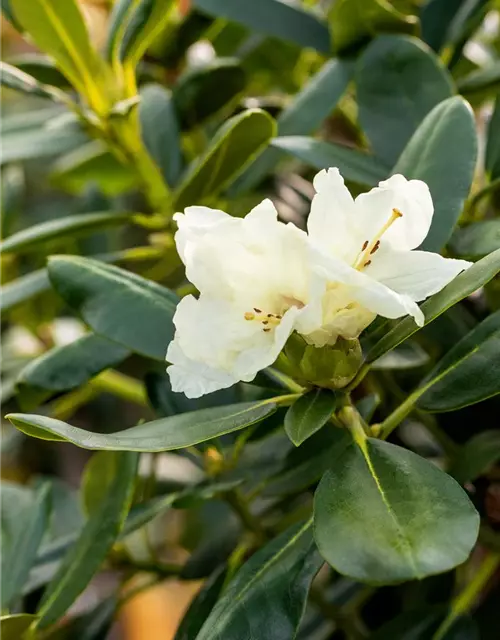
(467, 598)
(238, 503)
(477, 197)
(164, 569)
(122, 386)
(362, 371)
(399, 414)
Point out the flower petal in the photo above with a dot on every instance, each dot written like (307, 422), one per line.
(411, 198)
(418, 274)
(195, 222)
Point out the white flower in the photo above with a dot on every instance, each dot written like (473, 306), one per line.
(260, 280)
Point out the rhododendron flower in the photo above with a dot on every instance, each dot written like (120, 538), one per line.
(260, 280)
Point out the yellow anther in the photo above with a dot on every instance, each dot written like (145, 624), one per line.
(249, 315)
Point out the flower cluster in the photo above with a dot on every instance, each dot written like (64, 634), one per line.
(260, 279)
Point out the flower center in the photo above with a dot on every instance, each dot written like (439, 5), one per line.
(269, 320)
(369, 248)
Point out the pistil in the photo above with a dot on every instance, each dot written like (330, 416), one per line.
(370, 247)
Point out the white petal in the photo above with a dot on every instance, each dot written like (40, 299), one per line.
(418, 274)
(194, 223)
(265, 213)
(332, 215)
(411, 198)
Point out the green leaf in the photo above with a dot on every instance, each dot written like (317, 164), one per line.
(232, 149)
(477, 456)
(399, 80)
(92, 163)
(201, 92)
(31, 238)
(23, 288)
(273, 18)
(96, 539)
(354, 165)
(476, 239)
(305, 113)
(160, 131)
(166, 434)
(58, 29)
(67, 367)
(383, 514)
(442, 153)
(7, 13)
(276, 579)
(117, 304)
(464, 284)
(42, 68)
(468, 373)
(438, 19)
(353, 22)
(13, 627)
(24, 522)
(309, 413)
(492, 160)
(486, 78)
(97, 479)
(407, 356)
(21, 81)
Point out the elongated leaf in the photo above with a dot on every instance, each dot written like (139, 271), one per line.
(476, 456)
(24, 288)
(407, 356)
(93, 544)
(476, 239)
(442, 153)
(353, 22)
(309, 413)
(353, 164)
(468, 373)
(166, 434)
(67, 367)
(272, 18)
(305, 113)
(398, 82)
(117, 304)
(160, 131)
(437, 17)
(233, 148)
(29, 239)
(20, 81)
(13, 627)
(269, 592)
(40, 67)
(383, 515)
(464, 284)
(142, 24)
(23, 526)
(492, 160)
(486, 78)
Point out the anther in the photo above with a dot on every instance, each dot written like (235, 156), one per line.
(367, 263)
(267, 329)
(365, 244)
(265, 321)
(269, 315)
(249, 315)
(397, 213)
(278, 317)
(257, 310)
(375, 248)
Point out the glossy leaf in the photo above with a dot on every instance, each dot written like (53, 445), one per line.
(93, 544)
(18, 80)
(117, 304)
(492, 160)
(468, 373)
(276, 579)
(272, 18)
(31, 238)
(23, 288)
(165, 434)
(384, 515)
(232, 149)
(202, 91)
(398, 82)
(476, 239)
(477, 456)
(25, 519)
(464, 284)
(353, 22)
(14, 626)
(442, 153)
(354, 165)
(67, 367)
(160, 131)
(303, 115)
(309, 413)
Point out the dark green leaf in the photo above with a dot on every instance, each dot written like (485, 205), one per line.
(42, 68)
(398, 82)
(117, 304)
(160, 131)
(476, 457)
(30, 238)
(309, 413)
(353, 22)
(353, 164)
(202, 91)
(93, 544)
(166, 434)
(492, 160)
(476, 239)
(67, 367)
(141, 24)
(485, 78)
(442, 153)
(272, 18)
(305, 113)
(97, 478)
(468, 373)
(21, 81)
(267, 596)
(93, 624)
(384, 515)
(8, 13)
(407, 356)
(463, 285)
(437, 17)
(13, 627)
(232, 149)
(24, 523)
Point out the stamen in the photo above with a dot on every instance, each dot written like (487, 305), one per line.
(264, 318)
(257, 310)
(249, 315)
(365, 244)
(265, 321)
(267, 329)
(369, 248)
(367, 263)
(375, 248)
